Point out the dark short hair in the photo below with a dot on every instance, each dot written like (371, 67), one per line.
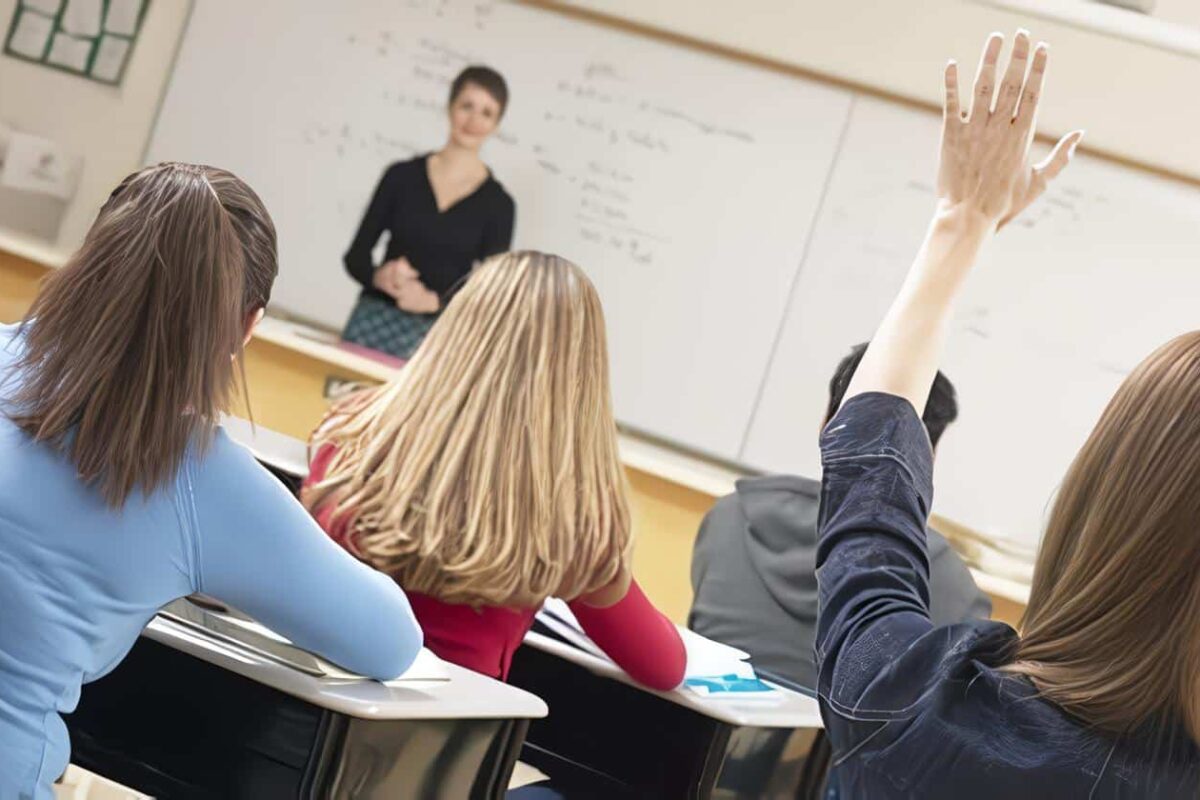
(940, 410)
(485, 78)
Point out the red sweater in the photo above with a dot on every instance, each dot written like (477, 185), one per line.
(632, 632)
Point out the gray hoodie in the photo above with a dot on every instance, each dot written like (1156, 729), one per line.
(753, 574)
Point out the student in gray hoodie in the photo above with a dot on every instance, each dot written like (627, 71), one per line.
(753, 566)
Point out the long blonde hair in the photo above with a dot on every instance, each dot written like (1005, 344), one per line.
(1112, 629)
(486, 473)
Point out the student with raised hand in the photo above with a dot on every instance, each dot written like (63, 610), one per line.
(753, 565)
(485, 479)
(1098, 695)
(119, 492)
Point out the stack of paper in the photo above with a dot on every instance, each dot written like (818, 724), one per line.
(713, 669)
(426, 667)
(256, 636)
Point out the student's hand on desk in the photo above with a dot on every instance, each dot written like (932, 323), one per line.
(415, 298)
(984, 166)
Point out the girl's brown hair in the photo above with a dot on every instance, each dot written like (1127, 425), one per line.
(487, 473)
(1112, 630)
(131, 346)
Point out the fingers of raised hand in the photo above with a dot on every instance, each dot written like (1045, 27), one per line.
(1032, 94)
(952, 108)
(1050, 167)
(1014, 78)
(985, 80)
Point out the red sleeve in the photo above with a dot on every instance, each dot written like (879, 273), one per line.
(320, 463)
(638, 637)
(324, 515)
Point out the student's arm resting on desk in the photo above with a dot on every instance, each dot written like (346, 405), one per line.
(257, 549)
(637, 637)
(358, 258)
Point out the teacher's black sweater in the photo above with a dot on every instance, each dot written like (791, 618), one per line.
(441, 245)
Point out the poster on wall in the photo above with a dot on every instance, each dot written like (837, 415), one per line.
(89, 38)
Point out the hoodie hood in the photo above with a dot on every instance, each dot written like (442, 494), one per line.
(781, 538)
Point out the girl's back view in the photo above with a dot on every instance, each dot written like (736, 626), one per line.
(118, 493)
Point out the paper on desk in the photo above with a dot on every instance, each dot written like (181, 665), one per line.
(705, 658)
(425, 667)
(558, 617)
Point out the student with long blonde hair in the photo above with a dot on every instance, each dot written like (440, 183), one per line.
(1099, 694)
(484, 478)
(119, 492)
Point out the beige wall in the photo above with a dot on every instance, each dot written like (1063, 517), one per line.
(107, 125)
(1128, 95)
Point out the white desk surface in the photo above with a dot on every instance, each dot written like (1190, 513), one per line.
(466, 695)
(789, 710)
(277, 449)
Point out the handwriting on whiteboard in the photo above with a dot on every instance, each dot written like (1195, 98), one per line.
(614, 129)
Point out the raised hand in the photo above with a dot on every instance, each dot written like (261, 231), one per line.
(984, 180)
(984, 166)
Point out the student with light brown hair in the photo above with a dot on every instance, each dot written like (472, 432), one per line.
(1099, 693)
(485, 478)
(119, 492)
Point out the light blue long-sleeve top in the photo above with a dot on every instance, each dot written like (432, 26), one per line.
(79, 581)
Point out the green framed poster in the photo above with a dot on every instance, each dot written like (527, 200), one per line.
(89, 38)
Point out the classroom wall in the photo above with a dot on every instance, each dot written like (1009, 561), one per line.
(1126, 94)
(107, 125)
(1186, 12)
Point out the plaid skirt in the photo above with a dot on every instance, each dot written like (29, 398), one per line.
(379, 325)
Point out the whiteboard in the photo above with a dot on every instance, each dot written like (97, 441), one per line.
(1063, 305)
(683, 183)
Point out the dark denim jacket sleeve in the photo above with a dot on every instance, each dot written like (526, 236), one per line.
(873, 567)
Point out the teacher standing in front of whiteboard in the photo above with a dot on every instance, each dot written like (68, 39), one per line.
(443, 213)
